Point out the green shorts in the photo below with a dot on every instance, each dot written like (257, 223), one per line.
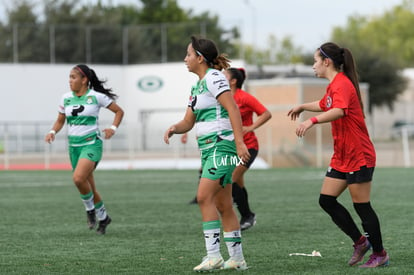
(93, 152)
(219, 162)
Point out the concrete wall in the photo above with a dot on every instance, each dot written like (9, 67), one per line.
(153, 96)
(32, 92)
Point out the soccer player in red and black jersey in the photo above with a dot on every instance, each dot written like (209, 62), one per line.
(248, 105)
(353, 161)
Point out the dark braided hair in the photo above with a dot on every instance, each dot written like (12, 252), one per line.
(343, 61)
(94, 81)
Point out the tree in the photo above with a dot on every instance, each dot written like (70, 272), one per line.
(72, 32)
(392, 34)
(281, 51)
(381, 48)
(28, 40)
(384, 79)
(64, 24)
(277, 51)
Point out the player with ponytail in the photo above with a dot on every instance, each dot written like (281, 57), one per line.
(212, 110)
(80, 109)
(353, 161)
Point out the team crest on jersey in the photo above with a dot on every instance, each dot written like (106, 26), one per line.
(89, 100)
(192, 101)
(200, 89)
(328, 102)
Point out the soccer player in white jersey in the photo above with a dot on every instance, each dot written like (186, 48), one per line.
(212, 110)
(80, 109)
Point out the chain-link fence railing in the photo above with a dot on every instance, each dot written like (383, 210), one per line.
(98, 44)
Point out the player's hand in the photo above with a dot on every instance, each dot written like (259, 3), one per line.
(184, 138)
(49, 138)
(243, 152)
(303, 127)
(108, 133)
(169, 133)
(295, 112)
(247, 129)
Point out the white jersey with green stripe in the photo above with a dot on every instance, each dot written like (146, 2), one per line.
(212, 120)
(82, 115)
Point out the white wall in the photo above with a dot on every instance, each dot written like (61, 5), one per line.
(31, 93)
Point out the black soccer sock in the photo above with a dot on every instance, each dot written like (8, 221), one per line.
(340, 216)
(240, 197)
(371, 224)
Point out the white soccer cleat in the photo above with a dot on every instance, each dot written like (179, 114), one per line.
(209, 264)
(234, 264)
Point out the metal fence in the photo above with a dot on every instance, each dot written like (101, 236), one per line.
(24, 138)
(99, 44)
(22, 142)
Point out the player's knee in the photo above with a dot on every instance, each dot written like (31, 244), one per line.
(220, 207)
(327, 202)
(78, 179)
(204, 199)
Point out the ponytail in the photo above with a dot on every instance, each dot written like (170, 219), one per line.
(220, 63)
(343, 61)
(349, 69)
(209, 51)
(94, 82)
(238, 74)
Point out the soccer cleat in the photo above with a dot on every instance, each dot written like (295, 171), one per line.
(233, 264)
(359, 252)
(102, 225)
(209, 264)
(246, 223)
(377, 260)
(91, 218)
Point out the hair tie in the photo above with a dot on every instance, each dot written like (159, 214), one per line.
(81, 71)
(200, 54)
(324, 54)
(84, 70)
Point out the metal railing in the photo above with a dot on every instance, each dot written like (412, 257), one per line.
(99, 44)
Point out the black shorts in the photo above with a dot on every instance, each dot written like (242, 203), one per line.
(253, 155)
(364, 174)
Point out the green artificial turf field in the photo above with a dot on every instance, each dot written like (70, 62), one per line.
(155, 231)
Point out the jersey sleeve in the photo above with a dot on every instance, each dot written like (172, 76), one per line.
(192, 98)
(61, 108)
(217, 83)
(254, 104)
(337, 97)
(341, 99)
(104, 100)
